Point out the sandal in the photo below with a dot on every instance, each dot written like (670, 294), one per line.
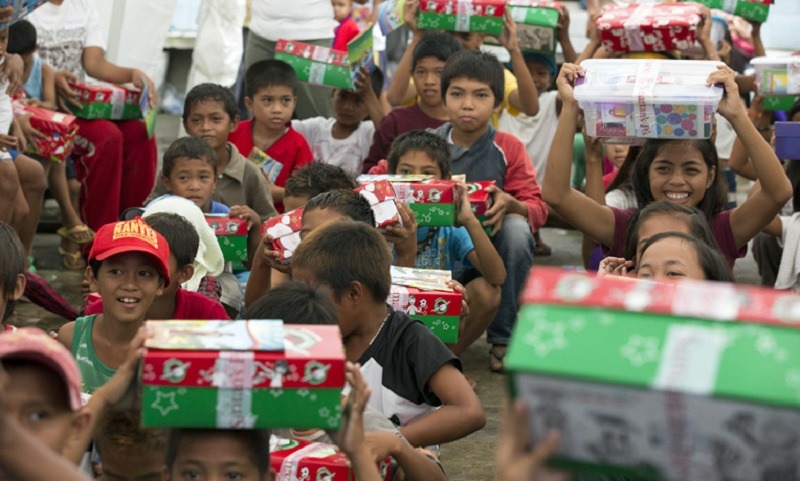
(80, 234)
(542, 250)
(496, 355)
(72, 260)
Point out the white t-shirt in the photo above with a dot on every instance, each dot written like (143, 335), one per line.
(63, 31)
(725, 137)
(293, 19)
(622, 199)
(348, 153)
(535, 132)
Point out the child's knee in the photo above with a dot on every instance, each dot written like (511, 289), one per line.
(9, 182)
(515, 237)
(31, 174)
(483, 296)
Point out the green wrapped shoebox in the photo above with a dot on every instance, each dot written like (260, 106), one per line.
(480, 16)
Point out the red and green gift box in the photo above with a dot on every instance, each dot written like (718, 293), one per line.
(304, 460)
(103, 100)
(674, 380)
(59, 128)
(536, 24)
(654, 27)
(434, 202)
(285, 231)
(242, 374)
(381, 197)
(423, 295)
(757, 10)
(231, 235)
(480, 200)
(481, 16)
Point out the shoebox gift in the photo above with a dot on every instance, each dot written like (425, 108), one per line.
(481, 16)
(648, 98)
(381, 197)
(782, 104)
(231, 235)
(103, 100)
(652, 27)
(21, 9)
(480, 200)
(271, 167)
(304, 460)
(285, 231)
(536, 24)
(242, 374)
(777, 75)
(757, 10)
(424, 295)
(641, 383)
(434, 202)
(787, 140)
(59, 128)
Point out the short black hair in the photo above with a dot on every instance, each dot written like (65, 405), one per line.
(180, 234)
(714, 266)
(345, 202)
(189, 147)
(12, 264)
(316, 178)
(21, 38)
(479, 66)
(257, 443)
(122, 429)
(209, 92)
(294, 302)
(420, 141)
(268, 73)
(435, 44)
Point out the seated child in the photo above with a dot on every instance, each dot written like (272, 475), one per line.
(415, 380)
(12, 273)
(271, 95)
(175, 302)
(423, 153)
(217, 454)
(129, 267)
(345, 139)
(128, 451)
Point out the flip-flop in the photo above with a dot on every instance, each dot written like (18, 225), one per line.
(542, 250)
(493, 352)
(73, 234)
(72, 260)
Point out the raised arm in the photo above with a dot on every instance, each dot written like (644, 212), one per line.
(562, 32)
(401, 90)
(526, 97)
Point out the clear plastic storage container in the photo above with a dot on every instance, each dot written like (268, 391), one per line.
(665, 99)
(777, 75)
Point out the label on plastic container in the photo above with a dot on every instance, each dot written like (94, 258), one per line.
(643, 93)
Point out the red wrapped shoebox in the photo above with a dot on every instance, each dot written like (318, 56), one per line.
(295, 460)
(655, 27)
(59, 128)
(382, 199)
(285, 231)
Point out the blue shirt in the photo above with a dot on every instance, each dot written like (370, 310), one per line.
(448, 246)
(33, 86)
(217, 208)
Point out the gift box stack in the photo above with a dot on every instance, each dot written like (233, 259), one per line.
(271, 167)
(285, 231)
(481, 16)
(480, 200)
(644, 381)
(648, 98)
(654, 27)
(231, 235)
(242, 375)
(59, 128)
(787, 140)
(423, 294)
(303, 460)
(21, 9)
(314, 64)
(536, 24)
(757, 10)
(381, 197)
(103, 100)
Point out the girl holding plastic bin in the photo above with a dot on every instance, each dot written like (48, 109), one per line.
(680, 171)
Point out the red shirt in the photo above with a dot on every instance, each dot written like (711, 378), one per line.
(291, 150)
(188, 305)
(346, 31)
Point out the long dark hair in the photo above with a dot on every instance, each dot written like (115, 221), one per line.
(711, 261)
(623, 177)
(695, 220)
(715, 196)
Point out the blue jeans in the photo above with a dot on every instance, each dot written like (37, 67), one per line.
(515, 245)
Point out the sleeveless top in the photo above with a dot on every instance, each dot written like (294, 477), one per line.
(93, 372)
(33, 86)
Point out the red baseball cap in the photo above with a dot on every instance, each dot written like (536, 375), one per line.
(132, 236)
(34, 345)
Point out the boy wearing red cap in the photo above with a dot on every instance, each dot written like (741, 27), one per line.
(129, 267)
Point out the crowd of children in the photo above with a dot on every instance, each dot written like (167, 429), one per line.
(449, 111)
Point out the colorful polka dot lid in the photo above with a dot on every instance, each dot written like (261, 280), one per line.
(664, 99)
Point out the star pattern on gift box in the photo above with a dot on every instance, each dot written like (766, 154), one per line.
(276, 393)
(605, 319)
(165, 403)
(313, 397)
(303, 392)
(546, 337)
(767, 346)
(640, 350)
(324, 413)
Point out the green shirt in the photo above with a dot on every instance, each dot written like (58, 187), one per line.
(93, 372)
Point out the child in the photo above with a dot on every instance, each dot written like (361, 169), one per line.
(129, 267)
(472, 85)
(348, 28)
(175, 302)
(12, 273)
(128, 451)
(683, 172)
(419, 152)
(675, 255)
(189, 170)
(217, 454)
(416, 380)
(346, 139)
(271, 95)
(423, 61)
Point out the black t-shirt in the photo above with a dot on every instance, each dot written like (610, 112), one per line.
(399, 363)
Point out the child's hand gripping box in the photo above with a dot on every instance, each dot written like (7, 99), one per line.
(242, 375)
(269, 166)
(59, 128)
(648, 98)
(303, 460)
(423, 294)
(480, 200)
(787, 140)
(103, 100)
(652, 27)
(642, 383)
(777, 76)
(381, 197)
(21, 9)
(231, 235)
(481, 16)
(285, 231)
(757, 10)
(536, 24)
